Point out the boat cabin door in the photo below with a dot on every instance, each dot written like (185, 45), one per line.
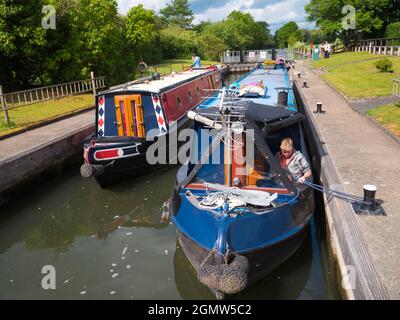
(129, 111)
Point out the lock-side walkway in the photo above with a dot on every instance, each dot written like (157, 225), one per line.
(29, 153)
(362, 153)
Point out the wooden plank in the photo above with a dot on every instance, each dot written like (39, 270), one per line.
(350, 241)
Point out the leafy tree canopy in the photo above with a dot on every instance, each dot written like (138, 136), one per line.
(393, 30)
(239, 31)
(369, 16)
(178, 12)
(141, 27)
(288, 34)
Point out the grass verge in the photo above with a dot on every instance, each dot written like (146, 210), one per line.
(388, 116)
(355, 75)
(23, 117)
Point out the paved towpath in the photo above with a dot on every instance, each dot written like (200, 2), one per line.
(21, 144)
(363, 154)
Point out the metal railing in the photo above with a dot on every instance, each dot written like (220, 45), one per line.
(19, 99)
(385, 46)
(230, 56)
(166, 68)
(247, 56)
(395, 88)
(252, 56)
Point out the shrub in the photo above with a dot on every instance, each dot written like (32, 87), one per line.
(178, 43)
(384, 65)
(393, 30)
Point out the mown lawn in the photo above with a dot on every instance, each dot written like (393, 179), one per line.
(23, 117)
(342, 58)
(388, 116)
(355, 78)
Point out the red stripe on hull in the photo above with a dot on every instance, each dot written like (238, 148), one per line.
(106, 154)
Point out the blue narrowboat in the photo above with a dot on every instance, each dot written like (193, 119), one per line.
(237, 214)
(132, 116)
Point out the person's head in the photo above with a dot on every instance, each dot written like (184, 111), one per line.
(287, 147)
(193, 56)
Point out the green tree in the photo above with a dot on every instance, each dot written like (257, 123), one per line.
(240, 32)
(21, 38)
(141, 27)
(369, 16)
(243, 29)
(393, 30)
(178, 12)
(177, 42)
(316, 36)
(391, 15)
(264, 33)
(306, 35)
(288, 31)
(212, 46)
(96, 41)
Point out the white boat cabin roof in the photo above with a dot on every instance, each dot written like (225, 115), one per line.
(156, 86)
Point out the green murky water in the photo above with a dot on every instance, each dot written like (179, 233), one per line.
(110, 244)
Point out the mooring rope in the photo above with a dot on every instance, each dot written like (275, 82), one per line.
(338, 194)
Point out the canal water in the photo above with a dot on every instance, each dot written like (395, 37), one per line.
(111, 244)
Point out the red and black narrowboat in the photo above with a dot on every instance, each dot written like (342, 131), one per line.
(132, 116)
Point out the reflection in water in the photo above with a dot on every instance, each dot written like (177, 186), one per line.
(99, 241)
(298, 278)
(110, 243)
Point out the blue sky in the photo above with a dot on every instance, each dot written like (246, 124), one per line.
(275, 12)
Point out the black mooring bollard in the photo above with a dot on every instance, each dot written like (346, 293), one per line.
(369, 206)
(369, 192)
(299, 75)
(319, 108)
(369, 197)
(305, 84)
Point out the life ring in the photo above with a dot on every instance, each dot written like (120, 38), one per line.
(142, 67)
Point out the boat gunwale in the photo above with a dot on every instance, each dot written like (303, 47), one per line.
(131, 88)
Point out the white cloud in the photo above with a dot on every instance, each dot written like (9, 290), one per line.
(280, 12)
(277, 13)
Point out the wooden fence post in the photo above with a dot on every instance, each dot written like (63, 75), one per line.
(4, 105)
(93, 85)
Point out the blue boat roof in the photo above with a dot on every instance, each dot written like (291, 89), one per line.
(272, 79)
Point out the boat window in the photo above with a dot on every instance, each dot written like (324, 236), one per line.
(123, 117)
(214, 170)
(179, 102)
(190, 96)
(134, 118)
(198, 91)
